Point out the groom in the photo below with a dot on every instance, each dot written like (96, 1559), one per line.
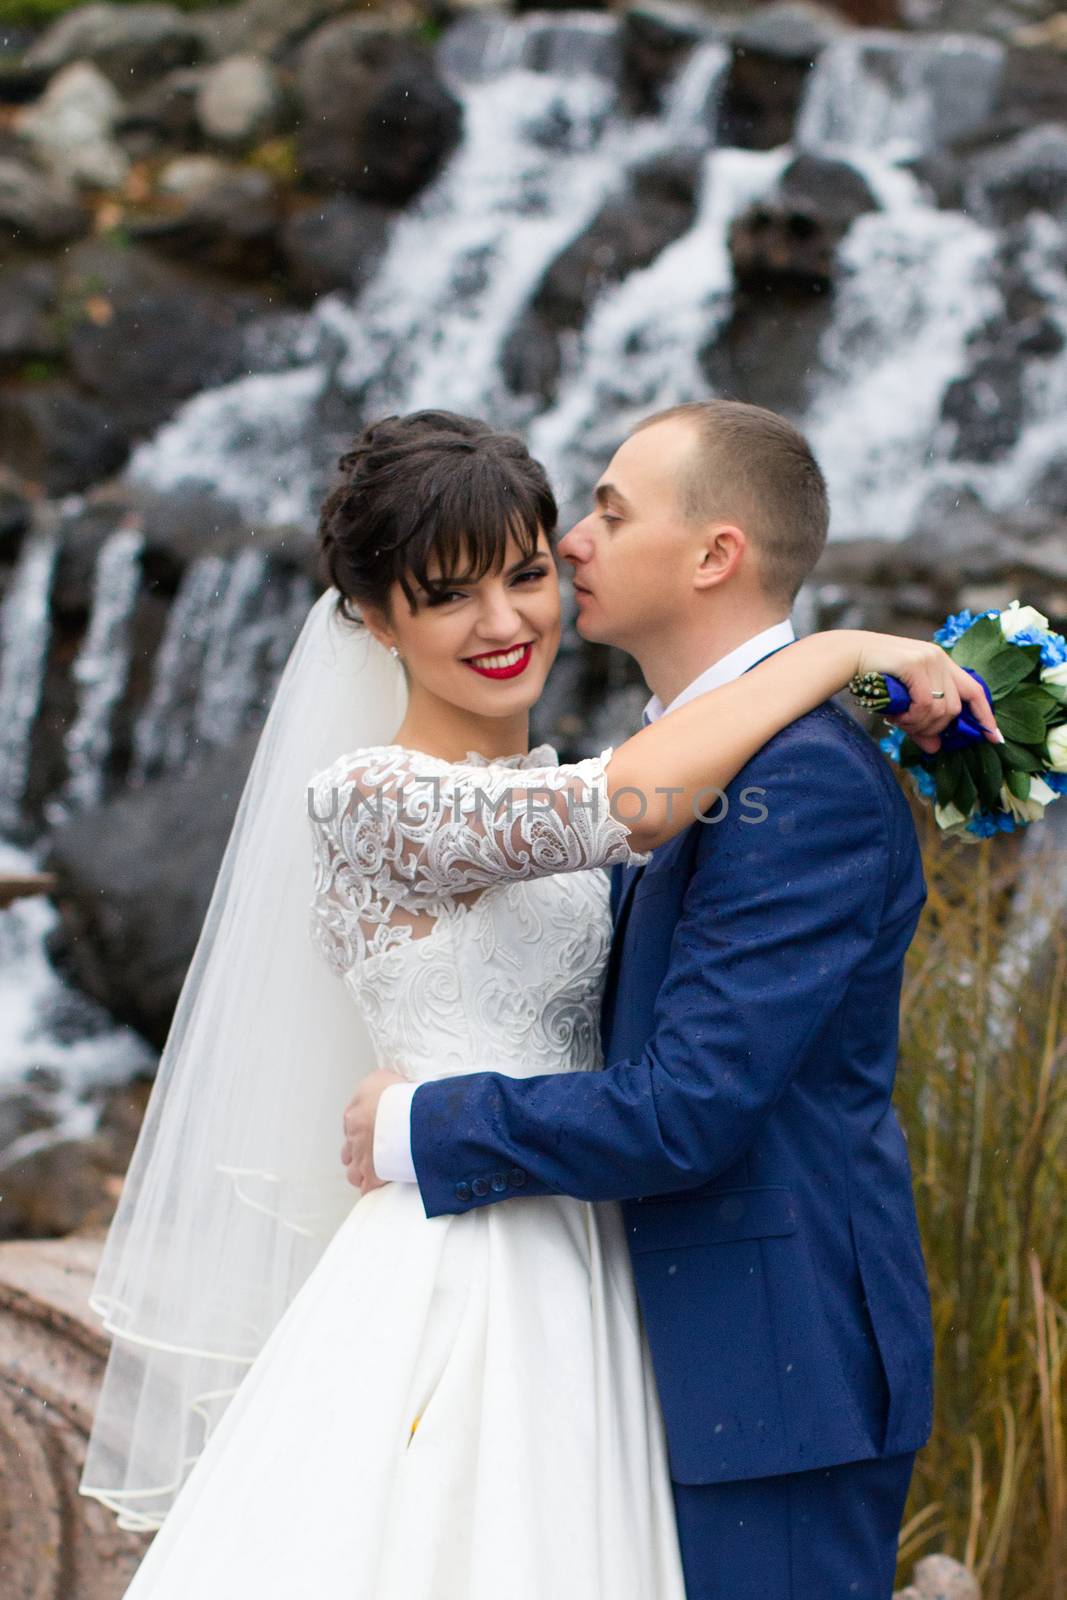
(750, 1021)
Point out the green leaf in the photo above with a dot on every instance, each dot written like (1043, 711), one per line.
(1018, 720)
(1010, 666)
(966, 792)
(1021, 757)
(910, 754)
(984, 767)
(947, 771)
(1019, 784)
(979, 646)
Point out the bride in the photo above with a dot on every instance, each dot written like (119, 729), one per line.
(315, 1393)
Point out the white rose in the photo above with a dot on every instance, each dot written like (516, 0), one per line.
(949, 817)
(1031, 810)
(1055, 674)
(1040, 791)
(1057, 748)
(1015, 618)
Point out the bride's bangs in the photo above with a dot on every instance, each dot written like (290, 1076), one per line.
(469, 523)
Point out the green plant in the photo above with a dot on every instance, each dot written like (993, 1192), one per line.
(982, 1093)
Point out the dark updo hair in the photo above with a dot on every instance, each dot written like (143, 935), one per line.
(429, 484)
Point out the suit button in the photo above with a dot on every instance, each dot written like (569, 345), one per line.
(731, 1210)
(463, 1191)
(480, 1187)
(517, 1177)
(499, 1182)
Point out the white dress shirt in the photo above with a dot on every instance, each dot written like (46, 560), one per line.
(392, 1130)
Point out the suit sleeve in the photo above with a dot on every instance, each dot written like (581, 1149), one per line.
(777, 917)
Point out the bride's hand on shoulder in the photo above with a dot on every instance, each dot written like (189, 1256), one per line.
(939, 689)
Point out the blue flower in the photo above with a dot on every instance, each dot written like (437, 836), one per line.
(1053, 645)
(925, 782)
(984, 824)
(890, 745)
(1053, 650)
(954, 627)
(1056, 780)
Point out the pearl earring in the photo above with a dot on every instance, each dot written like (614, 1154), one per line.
(393, 651)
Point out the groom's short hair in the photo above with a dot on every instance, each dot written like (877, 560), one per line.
(752, 467)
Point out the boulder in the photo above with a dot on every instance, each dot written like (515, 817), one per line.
(55, 1543)
(36, 210)
(135, 878)
(1028, 173)
(773, 53)
(332, 243)
(377, 120)
(239, 101)
(164, 115)
(132, 45)
(145, 334)
(70, 128)
(789, 241)
(657, 36)
(58, 438)
(229, 225)
(28, 325)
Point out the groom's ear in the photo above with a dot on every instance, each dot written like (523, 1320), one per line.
(722, 550)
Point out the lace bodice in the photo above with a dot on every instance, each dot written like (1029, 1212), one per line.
(464, 906)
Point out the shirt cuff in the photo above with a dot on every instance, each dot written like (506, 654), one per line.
(392, 1134)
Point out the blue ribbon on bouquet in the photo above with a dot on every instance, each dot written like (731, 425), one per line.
(961, 731)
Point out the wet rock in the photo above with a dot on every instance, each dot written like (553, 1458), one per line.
(132, 45)
(789, 241)
(163, 116)
(376, 119)
(987, 401)
(229, 225)
(70, 128)
(147, 333)
(1027, 174)
(1001, 18)
(263, 27)
(131, 913)
(239, 101)
(57, 438)
(784, 254)
(28, 325)
(333, 243)
(16, 517)
(19, 83)
(657, 36)
(628, 233)
(772, 57)
(36, 210)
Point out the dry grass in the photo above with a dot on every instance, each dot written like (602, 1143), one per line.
(982, 1092)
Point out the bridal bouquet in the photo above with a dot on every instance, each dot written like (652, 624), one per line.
(979, 788)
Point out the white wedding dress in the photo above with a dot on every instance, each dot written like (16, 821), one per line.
(452, 1408)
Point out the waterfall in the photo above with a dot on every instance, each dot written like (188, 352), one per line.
(101, 671)
(545, 144)
(229, 630)
(639, 351)
(897, 94)
(24, 636)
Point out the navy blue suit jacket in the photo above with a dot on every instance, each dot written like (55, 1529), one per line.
(744, 1117)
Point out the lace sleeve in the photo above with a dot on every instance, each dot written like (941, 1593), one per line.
(421, 829)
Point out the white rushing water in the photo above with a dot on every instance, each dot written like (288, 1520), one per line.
(546, 142)
(56, 1046)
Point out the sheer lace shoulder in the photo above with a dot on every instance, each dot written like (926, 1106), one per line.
(400, 836)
